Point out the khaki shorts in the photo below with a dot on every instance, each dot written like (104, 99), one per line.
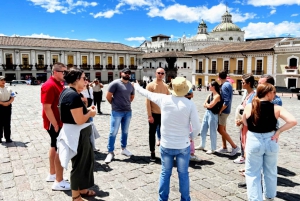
(223, 118)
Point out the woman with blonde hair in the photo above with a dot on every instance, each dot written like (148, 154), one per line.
(262, 142)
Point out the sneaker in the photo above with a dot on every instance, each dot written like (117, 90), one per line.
(194, 158)
(61, 186)
(199, 148)
(126, 152)
(234, 151)
(9, 141)
(51, 177)
(239, 160)
(152, 157)
(109, 157)
(222, 150)
(210, 152)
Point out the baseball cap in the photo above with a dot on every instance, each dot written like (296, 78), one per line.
(2, 78)
(126, 70)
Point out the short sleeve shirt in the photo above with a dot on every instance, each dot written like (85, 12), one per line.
(50, 92)
(70, 99)
(6, 93)
(121, 95)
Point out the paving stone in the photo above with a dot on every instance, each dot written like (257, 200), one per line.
(24, 164)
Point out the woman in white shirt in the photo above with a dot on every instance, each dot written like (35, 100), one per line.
(177, 112)
(88, 94)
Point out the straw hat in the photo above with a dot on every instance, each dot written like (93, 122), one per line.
(180, 86)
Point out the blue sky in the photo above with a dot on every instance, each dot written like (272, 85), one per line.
(132, 21)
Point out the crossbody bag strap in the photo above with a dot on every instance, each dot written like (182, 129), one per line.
(61, 99)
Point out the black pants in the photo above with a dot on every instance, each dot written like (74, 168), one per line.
(152, 130)
(5, 119)
(97, 100)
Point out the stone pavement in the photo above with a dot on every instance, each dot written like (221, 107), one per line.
(24, 163)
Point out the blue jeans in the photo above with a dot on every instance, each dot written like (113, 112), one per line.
(116, 119)
(158, 132)
(167, 160)
(261, 160)
(210, 120)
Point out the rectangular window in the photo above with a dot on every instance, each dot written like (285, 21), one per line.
(25, 60)
(226, 65)
(240, 65)
(70, 60)
(200, 65)
(109, 60)
(259, 65)
(9, 59)
(214, 65)
(41, 60)
(54, 59)
(159, 64)
(184, 64)
(121, 60)
(84, 60)
(132, 61)
(97, 60)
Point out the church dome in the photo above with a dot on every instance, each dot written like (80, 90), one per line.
(226, 24)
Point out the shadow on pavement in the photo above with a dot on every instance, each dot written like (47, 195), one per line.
(15, 144)
(285, 172)
(286, 182)
(288, 196)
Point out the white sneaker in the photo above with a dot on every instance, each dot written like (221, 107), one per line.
(126, 152)
(96, 149)
(221, 150)
(239, 160)
(199, 148)
(51, 177)
(109, 157)
(195, 158)
(210, 152)
(234, 151)
(61, 186)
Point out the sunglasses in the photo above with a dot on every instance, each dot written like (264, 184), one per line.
(127, 73)
(84, 78)
(160, 73)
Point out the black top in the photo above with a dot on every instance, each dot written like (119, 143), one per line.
(216, 108)
(70, 99)
(267, 120)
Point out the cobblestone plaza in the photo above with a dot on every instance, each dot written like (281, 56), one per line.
(24, 163)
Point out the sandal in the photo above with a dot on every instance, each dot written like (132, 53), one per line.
(79, 196)
(89, 193)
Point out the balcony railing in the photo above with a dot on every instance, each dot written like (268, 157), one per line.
(132, 67)
(110, 67)
(257, 72)
(228, 71)
(212, 71)
(291, 67)
(98, 67)
(9, 66)
(41, 66)
(238, 72)
(199, 71)
(25, 67)
(121, 66)
(85, 67)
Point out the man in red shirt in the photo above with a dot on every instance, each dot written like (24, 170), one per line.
(50, 93)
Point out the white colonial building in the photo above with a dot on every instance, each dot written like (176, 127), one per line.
(224, 33)
(23, 58)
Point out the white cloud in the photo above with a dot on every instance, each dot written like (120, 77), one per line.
(139, 39)
(133, 4)
(92, 39)
(263, 29)
(41, 35)
(294, 15)
(65, 7)
(273, 12)
(273, 2)
(183, 13)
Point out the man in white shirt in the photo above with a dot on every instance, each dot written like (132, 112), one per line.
(97, 93)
